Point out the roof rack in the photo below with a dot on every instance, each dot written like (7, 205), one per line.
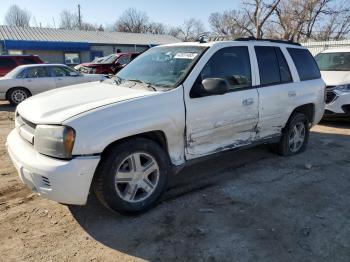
(229, 38)
(289, 42)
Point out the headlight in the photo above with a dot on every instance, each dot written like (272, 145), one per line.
(55, 141)
(343, 88)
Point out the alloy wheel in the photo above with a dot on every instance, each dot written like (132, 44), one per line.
(137, 177)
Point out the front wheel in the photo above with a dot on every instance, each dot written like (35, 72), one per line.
(132, 177)
(295, 137)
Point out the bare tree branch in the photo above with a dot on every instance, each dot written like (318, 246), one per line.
(16, 16)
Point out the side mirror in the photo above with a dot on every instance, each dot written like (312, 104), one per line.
(215, 86)
(74, 74)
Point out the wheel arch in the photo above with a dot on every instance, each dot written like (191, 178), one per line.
(306, 109)
(157, 136)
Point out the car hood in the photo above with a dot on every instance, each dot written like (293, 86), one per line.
(94, 65)
(58, 105)
(333, 78)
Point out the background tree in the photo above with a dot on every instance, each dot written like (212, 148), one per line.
(258, 12)
(132, 21)
(230, 23)
(16, 16)
(69, 20)
(190, 30)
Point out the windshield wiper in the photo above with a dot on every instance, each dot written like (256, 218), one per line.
(144, 83)
(118, 80)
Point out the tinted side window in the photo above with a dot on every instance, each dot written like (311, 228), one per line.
(283, 65)
(268, 65)
(230, 63)
(305, 63)
(59, 71)
(26, 61)
(36, 72)
(7, 63)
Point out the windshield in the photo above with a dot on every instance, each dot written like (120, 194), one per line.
(333, 61)
(162, 66)
(107, 59)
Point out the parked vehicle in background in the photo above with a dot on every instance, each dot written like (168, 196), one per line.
(107, 65)
(173, 104)
(9, 62)
(335, 70)
(27, 80)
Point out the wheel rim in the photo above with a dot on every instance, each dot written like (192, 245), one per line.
(18, 96)
(297, 137)
(137, 177)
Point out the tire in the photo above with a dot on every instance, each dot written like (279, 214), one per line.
(128, 186)
(289, 146)
(17, 95)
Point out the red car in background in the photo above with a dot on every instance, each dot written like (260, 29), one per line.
(9, 62)
(107, 65)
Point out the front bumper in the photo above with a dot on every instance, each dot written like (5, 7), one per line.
(64, 181)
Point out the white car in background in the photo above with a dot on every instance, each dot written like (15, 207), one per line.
(27, 80)
(335, 70)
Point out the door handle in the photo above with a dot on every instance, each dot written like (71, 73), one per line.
(248, 101)
(292, 93)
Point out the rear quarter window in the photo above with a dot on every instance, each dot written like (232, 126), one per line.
(7, 63)
(26, 61)
(305, 64)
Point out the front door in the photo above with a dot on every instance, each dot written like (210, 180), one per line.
(63, 76)
(218, 122)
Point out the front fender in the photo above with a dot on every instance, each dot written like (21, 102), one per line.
(165, 112)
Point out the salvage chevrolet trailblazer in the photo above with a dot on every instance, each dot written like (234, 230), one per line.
(124, 136)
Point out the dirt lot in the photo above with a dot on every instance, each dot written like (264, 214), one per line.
(245, 206)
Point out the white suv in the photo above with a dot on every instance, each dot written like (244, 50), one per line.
(335, 70)
(172, 104)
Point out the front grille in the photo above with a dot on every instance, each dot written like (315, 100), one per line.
(25, 128)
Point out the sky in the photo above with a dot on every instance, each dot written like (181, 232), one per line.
(106, 12)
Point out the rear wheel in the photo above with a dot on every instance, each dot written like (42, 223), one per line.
(295, 137)
(17, 95)
(132, 177)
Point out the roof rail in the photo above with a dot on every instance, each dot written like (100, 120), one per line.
(230, 38)
(289, 42)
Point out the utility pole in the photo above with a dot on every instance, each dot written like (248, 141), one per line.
(79, 17)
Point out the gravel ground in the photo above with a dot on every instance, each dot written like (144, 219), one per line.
(250, 205)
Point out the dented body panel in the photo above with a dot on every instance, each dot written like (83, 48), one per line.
(102, 114)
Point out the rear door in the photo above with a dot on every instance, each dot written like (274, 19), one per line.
(38, 80)
(277, 90)
(6, 65)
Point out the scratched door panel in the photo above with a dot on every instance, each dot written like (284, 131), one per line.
(216, 123)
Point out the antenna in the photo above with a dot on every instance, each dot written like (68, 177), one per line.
(79, 17)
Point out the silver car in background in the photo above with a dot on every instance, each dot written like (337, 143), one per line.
(27, 80)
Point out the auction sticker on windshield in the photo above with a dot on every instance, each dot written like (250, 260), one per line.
(185, 55)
